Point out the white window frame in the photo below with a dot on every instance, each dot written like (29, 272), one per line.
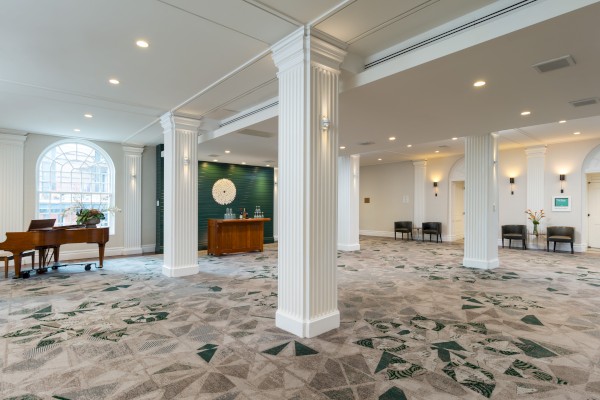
(95, 147)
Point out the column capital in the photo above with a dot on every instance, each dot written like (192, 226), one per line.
(420, 163)
(535, 151)
(294, 48)
(132, 150)
(171, 122)
(12, 139)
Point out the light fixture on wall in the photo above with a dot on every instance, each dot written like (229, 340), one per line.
(562, 178)
(186, 160)
(133, 174)
(435, 188)
(512, 185)
(325, 123)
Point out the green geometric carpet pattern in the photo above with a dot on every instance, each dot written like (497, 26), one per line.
(415, 325)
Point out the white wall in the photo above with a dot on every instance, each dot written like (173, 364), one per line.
(386, 184)
(36, 144)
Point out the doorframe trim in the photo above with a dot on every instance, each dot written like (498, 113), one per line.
(457, 174)
(590, 165)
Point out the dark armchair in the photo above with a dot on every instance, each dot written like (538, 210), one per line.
(432, 228)
(514, 232)
(403, 227)
(563, 234)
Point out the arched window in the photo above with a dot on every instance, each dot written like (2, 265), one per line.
(74, 173)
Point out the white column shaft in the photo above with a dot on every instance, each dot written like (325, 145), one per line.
(420, 171)
(132, 209)
(481, 202)
(181, 196)
(348, 200)
(536, 159)
(307, 184)
(11, 179)
(276, 204)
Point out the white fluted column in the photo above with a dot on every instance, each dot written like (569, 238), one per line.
(536, 160)
(307, 183)
(11, 176)
(420, 171)
(181, 195)
(132, 209)
(348, 199)
(275, 204)
(481, 202)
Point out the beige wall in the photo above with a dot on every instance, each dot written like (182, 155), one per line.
(386, 184)
(37, 144)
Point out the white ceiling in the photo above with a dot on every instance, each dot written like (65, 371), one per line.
(211, 60)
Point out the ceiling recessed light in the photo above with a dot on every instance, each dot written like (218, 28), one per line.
(215, 160)
(562, 121)
(454, 138)
(479, 83)
(268, 165)
(141, 43)
(77, 130)
(437, 151)
(392, 138)
(526, 113)
(227, 151)
(243, 162)
(576, 133)
(88, 115)
(409, 145)
(114, 81)
(342, 147)
(379, 159)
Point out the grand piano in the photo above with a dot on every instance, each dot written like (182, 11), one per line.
(44, 239)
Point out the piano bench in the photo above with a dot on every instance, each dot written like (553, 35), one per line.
(24, 254)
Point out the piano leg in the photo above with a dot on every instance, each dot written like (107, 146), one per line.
(17, 263)
(101, 254)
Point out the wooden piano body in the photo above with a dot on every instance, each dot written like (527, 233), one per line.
(42, 240)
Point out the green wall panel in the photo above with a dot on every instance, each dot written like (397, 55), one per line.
(254, 187)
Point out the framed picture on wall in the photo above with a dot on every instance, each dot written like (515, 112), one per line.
(561, 203)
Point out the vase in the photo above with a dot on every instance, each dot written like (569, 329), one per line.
(535, 231)
(92, 222)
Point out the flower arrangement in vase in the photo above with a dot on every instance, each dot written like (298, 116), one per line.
(535, 217)
(89, 216)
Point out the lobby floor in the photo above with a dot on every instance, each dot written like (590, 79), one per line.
(415, 325)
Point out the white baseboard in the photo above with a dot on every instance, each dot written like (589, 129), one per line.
(89, 253)
(180, 271)
(307, 328)
(132, 251)
(481, 264)
(377, 233)
(348, 247)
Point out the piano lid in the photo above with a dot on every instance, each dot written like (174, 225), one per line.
(39, 224)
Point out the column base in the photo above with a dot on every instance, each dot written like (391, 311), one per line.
(307, 329)
(348, 247)
(132, 250)
(481, 264)
(177, 272)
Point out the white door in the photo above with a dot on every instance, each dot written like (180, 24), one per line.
(458, 209)
(594, 214)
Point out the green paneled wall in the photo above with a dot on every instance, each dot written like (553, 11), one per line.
(254, 187)
(160, 198)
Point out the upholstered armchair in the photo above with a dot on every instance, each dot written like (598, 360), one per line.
(403, 227)
(563, 234)
(432, 228)
(514, 232)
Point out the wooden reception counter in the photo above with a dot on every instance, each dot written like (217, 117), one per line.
(235, 235)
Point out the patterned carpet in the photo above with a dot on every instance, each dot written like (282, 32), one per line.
(415, 325)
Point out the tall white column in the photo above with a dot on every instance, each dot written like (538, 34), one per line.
(420, 171)
(275, 204)
(536, 159)
(181, 195)
(307, 183)
(348, 199)
(11, 176)
(132, 210)
(481, 202)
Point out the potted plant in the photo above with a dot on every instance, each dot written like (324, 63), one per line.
(535, 217)
(89, 216)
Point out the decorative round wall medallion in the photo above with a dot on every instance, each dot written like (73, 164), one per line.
(223, 191)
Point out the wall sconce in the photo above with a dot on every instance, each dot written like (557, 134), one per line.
(435, 188)
(512, 186)
(133, 174)
(324, 123)
(562, 182)
(186, 160)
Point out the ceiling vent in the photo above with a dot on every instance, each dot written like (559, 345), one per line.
(585, 102)
(213, 155)
(557, 63)
(366, 143)
(251, 132)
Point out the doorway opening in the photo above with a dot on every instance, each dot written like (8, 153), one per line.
(593, 210)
